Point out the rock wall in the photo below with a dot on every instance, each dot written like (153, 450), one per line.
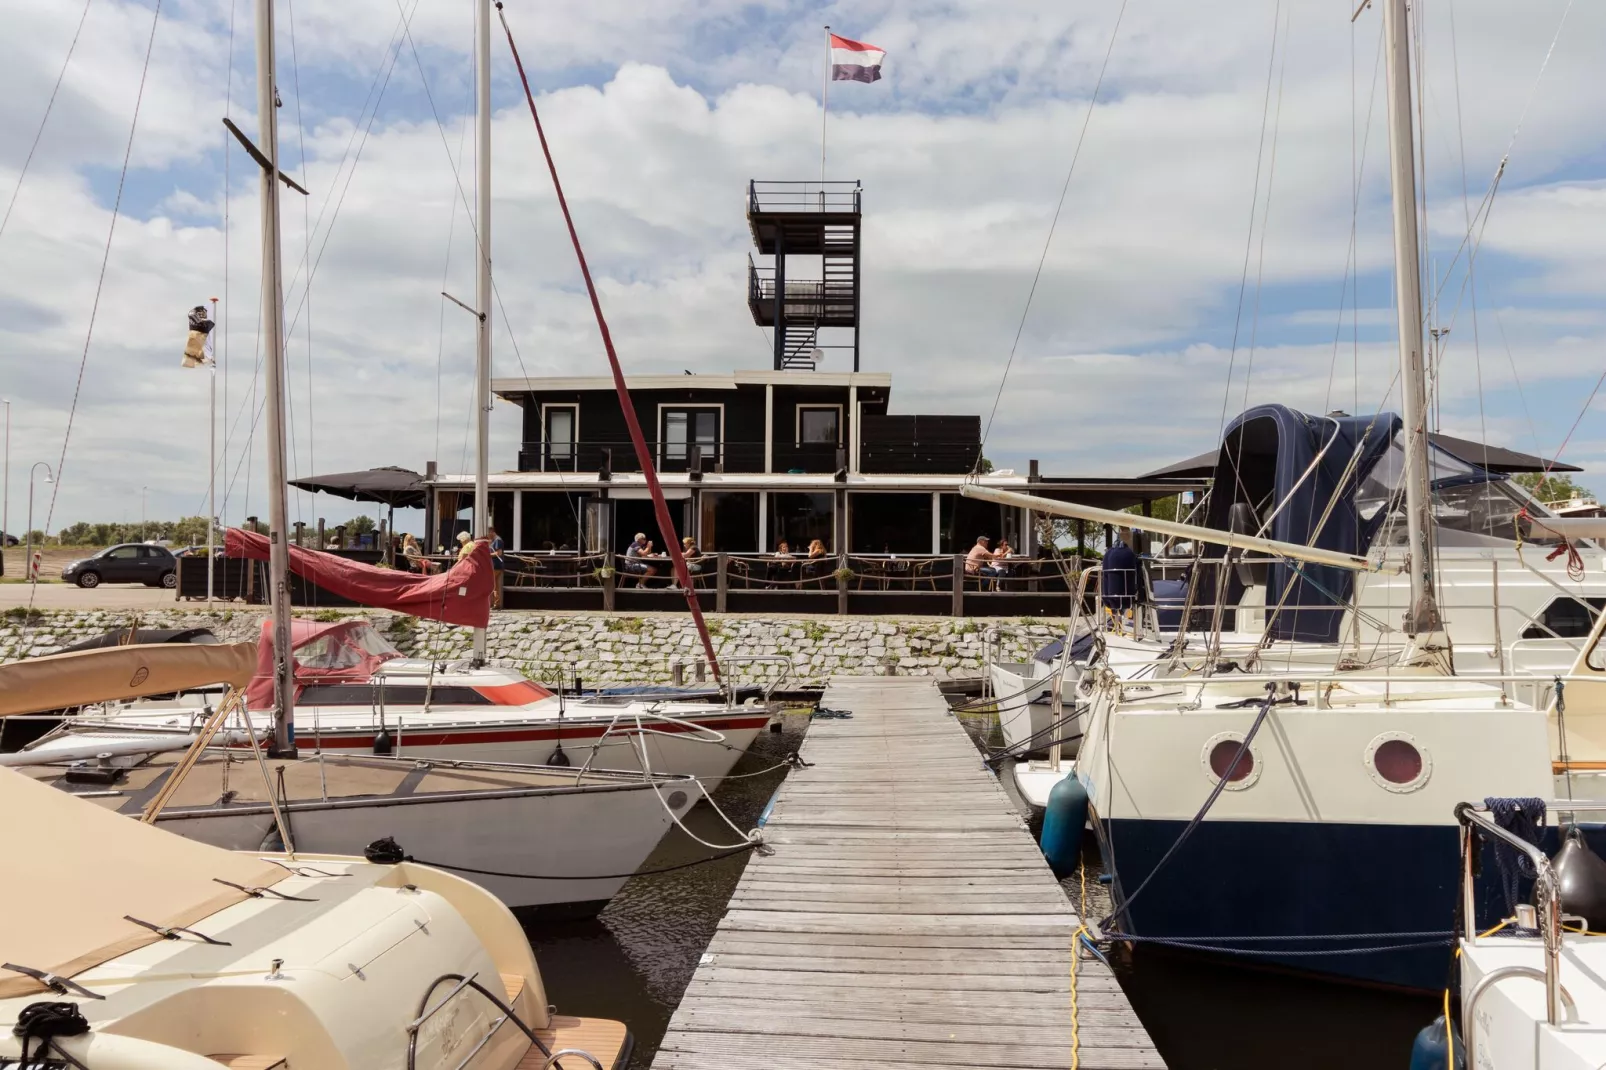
(618, 648)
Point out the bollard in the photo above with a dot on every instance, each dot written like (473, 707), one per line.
(701, 670)
(677, 673)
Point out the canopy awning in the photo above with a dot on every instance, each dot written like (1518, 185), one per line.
(61, 680)
(399, 488)
(86, 871)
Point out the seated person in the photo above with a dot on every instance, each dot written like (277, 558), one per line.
(413, 554)
(783, 549)
(638, 549)
(817, 549)
(979, 561)
(689, 550)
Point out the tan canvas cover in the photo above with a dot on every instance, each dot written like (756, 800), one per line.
(118, 672)
(94, 866)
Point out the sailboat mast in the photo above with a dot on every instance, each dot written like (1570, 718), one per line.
(1423, 615)
(482, 284)
(273, 340)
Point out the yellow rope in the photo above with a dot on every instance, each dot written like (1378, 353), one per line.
(1449, 1037)
(1076, 957)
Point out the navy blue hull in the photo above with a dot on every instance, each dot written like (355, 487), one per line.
(1265, 878)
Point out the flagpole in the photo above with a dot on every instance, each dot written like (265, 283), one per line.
(825, 109)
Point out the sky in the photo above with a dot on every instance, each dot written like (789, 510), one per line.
(1224, 238)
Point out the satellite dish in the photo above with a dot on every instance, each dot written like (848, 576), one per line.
(817, 356)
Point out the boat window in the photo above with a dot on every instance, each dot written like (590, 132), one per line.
(1565, 618)
(367, 695)
(1472, 514)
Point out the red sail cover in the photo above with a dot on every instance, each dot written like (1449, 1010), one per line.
(460, 595)
(341, 652)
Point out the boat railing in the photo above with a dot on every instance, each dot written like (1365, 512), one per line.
(788, 669)
(1320, 690)
(1476, 821)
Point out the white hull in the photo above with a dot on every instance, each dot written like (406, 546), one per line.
(1035, 779)
(1025, 713)
(562, 832)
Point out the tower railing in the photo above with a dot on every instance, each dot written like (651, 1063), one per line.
(777, 196)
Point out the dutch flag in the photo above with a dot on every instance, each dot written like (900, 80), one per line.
(855, 61)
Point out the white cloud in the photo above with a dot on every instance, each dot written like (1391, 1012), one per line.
(962, 150)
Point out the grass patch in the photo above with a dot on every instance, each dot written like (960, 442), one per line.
(628, 625)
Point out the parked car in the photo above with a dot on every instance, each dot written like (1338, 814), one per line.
(9, 539)
(132, 562)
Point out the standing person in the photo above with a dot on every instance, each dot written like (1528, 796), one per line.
(498, 567)
(1118, 579)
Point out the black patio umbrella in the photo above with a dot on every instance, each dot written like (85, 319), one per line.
(399, 488)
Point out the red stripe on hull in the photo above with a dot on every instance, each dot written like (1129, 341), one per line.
(363, 739)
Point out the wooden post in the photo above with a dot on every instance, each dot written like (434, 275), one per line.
(320, 545)
(842, 587)
(701, 670)
(959, 586)
(608, 576)
(721, 582)
(677, 673)
(340, 536)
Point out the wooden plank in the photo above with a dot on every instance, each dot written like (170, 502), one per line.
(903, 918)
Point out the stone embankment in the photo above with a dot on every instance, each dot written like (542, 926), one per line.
(618, 648)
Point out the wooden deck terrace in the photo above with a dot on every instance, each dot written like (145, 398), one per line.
(905, 918)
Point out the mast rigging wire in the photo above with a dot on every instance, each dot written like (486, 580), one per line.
(1053, 223)
(100, 281)
(643, 455)
(49, 105)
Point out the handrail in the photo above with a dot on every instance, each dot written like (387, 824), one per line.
(1474, 820)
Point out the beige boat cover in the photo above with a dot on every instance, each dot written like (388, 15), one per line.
(119, 672)
(93, 867)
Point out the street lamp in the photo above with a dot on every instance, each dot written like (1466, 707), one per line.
(200, 351)
(144, 534)
(50, 477)
(5, 496)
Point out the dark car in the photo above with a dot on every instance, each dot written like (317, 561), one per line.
(132, 562)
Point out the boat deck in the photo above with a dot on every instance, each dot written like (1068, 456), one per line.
(906, 918)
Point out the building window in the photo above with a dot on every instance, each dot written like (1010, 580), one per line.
(819, 425)
(729, 522)
(558, 436)
(889, 523)
(799, 519)
(683, 428)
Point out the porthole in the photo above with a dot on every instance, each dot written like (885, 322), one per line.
(1217, 756)
(676, 800)
(1397, 763)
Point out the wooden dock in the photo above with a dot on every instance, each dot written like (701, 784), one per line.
(905, 919)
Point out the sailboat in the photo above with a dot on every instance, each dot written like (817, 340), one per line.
(1303, 815)
(357, 693)
(579, 834)
(168, 954)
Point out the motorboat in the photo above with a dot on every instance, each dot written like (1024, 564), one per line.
(356, 693)
(157, 952)
(579, 833)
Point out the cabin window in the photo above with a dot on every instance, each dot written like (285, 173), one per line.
(1565, 618)
(683, 428)
(729, 522)
(561, 422)
(819, 425)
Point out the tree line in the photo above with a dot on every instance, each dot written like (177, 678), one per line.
(188, 531)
